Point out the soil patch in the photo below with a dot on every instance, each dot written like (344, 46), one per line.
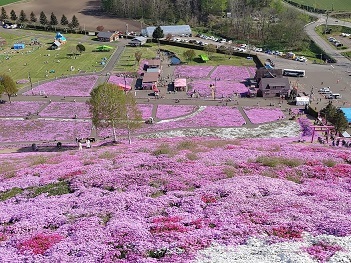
(88, 12)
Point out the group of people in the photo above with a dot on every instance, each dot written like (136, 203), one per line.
(80, 145)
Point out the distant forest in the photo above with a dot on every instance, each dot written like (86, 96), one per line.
(267, 22)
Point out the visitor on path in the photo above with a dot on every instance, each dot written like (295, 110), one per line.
(87, 142)
(80, 146)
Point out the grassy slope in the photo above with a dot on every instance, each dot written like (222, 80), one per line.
(337, 5)
(35, 59)
(6, 2)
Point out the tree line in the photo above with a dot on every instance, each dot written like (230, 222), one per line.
(263, 22)
(43, 19)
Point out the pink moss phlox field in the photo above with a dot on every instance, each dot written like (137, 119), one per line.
(210, 116)
(42, 130)
(173, 111)
(306, 126)
(230, 73)
(135, 203)
(146, 110)
(120, 80)
(40, 243)
(66, 110)
(252, 71)
(259, 115)
(142, 203)
(225, 88)
(322, 251)
(71, 86)
(196, 72)
(19, 108)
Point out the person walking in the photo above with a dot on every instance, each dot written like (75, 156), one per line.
(87, 142)
(80, 146)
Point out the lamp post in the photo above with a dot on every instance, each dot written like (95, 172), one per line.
(30, 81)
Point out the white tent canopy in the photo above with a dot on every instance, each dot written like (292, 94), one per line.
(302, 101)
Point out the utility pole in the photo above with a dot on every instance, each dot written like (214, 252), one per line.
(326, 23)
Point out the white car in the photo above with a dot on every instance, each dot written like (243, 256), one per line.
(324, 89)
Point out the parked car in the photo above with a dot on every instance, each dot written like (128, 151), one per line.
(324, 89)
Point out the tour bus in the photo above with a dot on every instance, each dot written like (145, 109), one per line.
(293, 73)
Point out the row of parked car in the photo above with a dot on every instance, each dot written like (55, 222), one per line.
(328, 94)
(335, 42)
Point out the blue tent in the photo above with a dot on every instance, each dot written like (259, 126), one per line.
(347, 112)
(60, 37)
(18, 46)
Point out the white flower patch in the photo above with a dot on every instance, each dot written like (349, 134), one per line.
(200, 109)
(256, 250)
(272, 130)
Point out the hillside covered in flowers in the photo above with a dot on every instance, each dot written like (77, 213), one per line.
(178, 200)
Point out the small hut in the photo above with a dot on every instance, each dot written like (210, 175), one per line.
(180, 85)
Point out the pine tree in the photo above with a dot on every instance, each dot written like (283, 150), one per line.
(22, 17)
(158, 33)
(43, 19)
(64, 20)
(13, 15)
(3, 15)
(32, 17)
(74, 23)
(53, 20)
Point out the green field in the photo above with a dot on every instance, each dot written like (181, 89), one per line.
(127, 60)
(6, 2)
(42, 63)
(335, 5)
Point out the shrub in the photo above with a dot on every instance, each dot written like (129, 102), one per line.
(329, 162)
(274, 161)
(192, 156)
(59, 188)
(229, 172)
(162, 149)
(10, 193)
(38, 159)
(186, 145)
(107, 155)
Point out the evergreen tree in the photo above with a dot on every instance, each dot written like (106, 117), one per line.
(53, 20)
(13, 15)
(74, 22)
(3, 15)
(32, 17)
(340, 122)
(158, 33)
(43, 19)
(22, 17)
(64, 20)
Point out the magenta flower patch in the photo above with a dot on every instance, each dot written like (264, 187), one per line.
(20, 108)
(173, 111)
(223, 88)
(263, 115)
(66, 110)
(71, 86)
(196, 72)
(230, 73)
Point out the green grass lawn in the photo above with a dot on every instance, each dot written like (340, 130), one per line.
(127, 61)
(336, 5)
(6, 2)
(39, 61)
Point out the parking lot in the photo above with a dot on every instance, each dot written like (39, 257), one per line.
(317, 76)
